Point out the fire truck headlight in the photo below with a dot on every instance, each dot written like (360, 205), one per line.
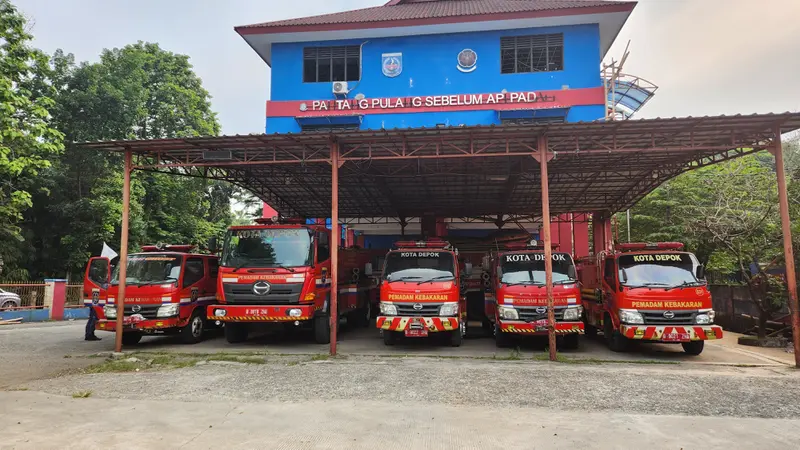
(388, 309)
(573, 313)
(110, 311)
(295, 313)
(220, 313)
(168, 310)
(508, 313)
(449, 309)
(631, 317)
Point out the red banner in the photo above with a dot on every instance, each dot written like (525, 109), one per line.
(503, 101)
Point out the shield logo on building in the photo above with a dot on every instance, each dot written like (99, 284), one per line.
(467, 60)
(392, 64)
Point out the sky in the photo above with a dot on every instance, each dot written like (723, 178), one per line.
(707, 56)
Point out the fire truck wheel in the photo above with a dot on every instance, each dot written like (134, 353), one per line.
(457, 337)
(235, 332)
(192, 332)
(389, 337)
(501, 340)
(322, 329)
(131, 338)
(615, 341)
(570, 342)
(694, 347)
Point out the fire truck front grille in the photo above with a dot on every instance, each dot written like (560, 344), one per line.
(426, 309)
(279, 294)
(671, 318)
(146, 311)
(534, 313)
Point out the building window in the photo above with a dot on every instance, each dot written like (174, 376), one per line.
(326, 64)
(536, 53)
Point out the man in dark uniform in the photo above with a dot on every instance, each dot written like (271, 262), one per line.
(90, 324)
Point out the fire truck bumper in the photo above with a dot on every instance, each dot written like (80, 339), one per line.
(142, 325)
(250, 313)
(539, 327)
(671, 334)
(432, 324)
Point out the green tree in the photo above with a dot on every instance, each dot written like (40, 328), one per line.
(137, 92)
(27, 139)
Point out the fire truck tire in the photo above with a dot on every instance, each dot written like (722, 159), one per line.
(322, 329)
(501, 340)
(389, 337)
(616, 342)
(570, 341)
(235, 332)
(131, 338)
(192, 332)
(694, 347)
(456, 338)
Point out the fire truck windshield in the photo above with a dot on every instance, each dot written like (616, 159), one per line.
(150, 268)
(658, 269)
(528, 268)
(267, 247)
(420, 266)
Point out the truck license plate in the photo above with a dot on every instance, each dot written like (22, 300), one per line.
(541, 325)
(416, 332)
(676, 337)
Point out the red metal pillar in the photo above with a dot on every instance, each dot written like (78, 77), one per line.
(572, 234)
(123, 249)
(336, 235)
(788, 251)
(548, 247)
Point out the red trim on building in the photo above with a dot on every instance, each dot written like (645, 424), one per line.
(342, 26)
(544, 100)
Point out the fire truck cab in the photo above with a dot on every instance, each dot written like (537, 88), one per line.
(421, 292)
(279, 271)
(648, 292)
(167, 290)
(518, 294)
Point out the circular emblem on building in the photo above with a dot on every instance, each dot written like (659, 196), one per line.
(136, 308)
(467, 60)
(669, 315)
(392, 64)
(417, 306)
(261, 288)
(303, 107)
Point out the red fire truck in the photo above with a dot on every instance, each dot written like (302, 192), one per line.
(518, 290)
(278, 271)
(421, 292)
(167, 291)
(648, 292)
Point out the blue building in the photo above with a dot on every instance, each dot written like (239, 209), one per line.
(428, 63)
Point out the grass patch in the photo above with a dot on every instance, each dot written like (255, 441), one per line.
(237, 358)
(82, 394)
(21, 388)
(321, 357)
(114, 366)
(292, 363)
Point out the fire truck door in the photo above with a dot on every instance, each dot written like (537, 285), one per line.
(95, 281)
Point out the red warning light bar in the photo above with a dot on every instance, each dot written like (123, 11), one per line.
(638, 246)
(431, 243)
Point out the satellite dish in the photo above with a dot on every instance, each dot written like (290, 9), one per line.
(360, 96)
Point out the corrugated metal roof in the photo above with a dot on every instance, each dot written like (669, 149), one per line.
(463, 171)
(433, 9)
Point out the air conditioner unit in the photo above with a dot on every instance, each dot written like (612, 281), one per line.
(340, 88)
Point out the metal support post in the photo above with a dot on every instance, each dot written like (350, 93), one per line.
(629, 224)
(335, 237)
(123, 250)
(788, 251)
(548, 248)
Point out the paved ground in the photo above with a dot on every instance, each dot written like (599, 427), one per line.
(148, 424)
(32, 351)
(379, 396)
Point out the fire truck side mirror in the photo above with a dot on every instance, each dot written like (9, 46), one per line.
(368, 269)
(701, 272)
(212, 244)
(572, 273)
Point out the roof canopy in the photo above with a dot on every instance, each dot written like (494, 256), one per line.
(416, 17)
(462, 171)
